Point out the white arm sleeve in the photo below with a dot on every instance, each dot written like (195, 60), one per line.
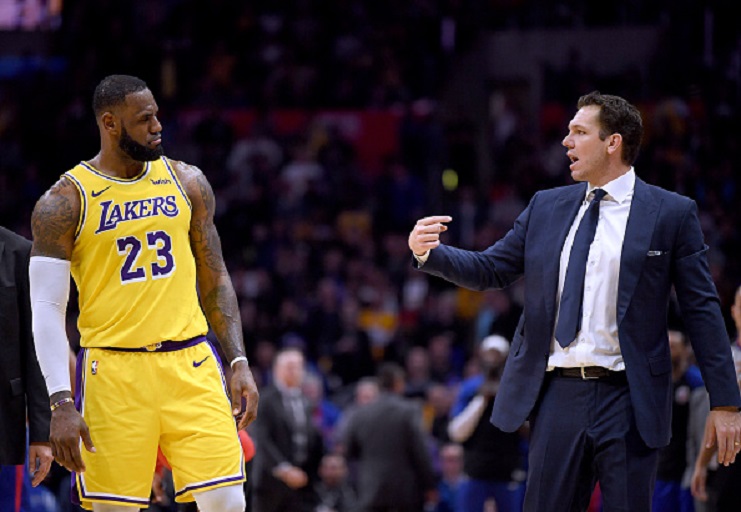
(462, 426)
(49, 295)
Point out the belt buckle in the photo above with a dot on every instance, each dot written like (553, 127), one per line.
(584, 375)
(153, 347)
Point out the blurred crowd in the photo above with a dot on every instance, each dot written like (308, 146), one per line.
(316, 237)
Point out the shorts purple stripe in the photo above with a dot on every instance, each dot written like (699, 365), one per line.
(116, 499)
(75, 498)
(74, 495)
(79, 367)
(192, 488)
(220, 366)
(164, 346)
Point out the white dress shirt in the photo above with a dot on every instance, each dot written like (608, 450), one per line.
(596, 344)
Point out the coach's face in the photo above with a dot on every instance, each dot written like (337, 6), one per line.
(589, 154)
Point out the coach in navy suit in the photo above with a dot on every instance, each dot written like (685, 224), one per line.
(593, 374)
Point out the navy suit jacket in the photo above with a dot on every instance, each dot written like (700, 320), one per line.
(663, 247)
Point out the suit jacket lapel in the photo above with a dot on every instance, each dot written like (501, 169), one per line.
(562, 217)
(637, 242)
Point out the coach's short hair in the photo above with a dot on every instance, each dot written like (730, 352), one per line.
(113, 89)
(616, 115)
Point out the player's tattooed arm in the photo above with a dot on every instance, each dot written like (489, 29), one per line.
(54, 221)
(218, 299)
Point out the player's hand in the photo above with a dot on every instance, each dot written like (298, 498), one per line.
(426, 233)
(723, 429)
(39, 461)
(67, 427)
(243, 386)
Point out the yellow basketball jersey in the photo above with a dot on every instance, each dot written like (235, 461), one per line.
(132, 261)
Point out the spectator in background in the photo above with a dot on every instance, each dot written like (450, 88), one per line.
(699, 408)
(288, 445)
(334, 492)
(669, 493)
(721, 489)
(490, 455)
(324, 413)
(736, 315)
(452, 478)
(366, 392)
(446, 361)
(417, 363)
(352, 358)
(390, 479)
(265, 351)
(438, 403)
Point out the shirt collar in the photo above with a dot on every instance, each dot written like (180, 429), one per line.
(619, 189)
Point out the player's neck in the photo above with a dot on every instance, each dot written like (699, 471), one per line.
(117, 165)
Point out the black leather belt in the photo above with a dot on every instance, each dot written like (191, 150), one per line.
(591, 373)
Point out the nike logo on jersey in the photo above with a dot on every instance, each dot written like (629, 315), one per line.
(196, 364)
(96, 194)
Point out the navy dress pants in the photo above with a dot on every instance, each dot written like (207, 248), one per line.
(584, 431)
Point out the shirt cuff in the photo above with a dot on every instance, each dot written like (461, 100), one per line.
(423, 258)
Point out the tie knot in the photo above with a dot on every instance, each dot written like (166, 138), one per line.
(599, 194)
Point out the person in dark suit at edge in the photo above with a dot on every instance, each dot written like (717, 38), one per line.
(589, 363)
(23, 396)
(288, 445)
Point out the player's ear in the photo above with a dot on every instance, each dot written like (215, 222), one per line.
(109, 122)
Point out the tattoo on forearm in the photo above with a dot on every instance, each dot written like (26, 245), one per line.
(52, 219)
(206, 238)
(217, 293)
(222, 312)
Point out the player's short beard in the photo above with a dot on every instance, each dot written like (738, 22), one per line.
(137, 151)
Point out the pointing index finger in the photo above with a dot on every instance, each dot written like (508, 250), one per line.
(434, 219)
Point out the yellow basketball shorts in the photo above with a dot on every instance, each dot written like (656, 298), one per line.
(174, 397)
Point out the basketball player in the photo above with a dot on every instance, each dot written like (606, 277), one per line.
(136, 232)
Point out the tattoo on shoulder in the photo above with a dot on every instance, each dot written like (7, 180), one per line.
(54, 220)
(206, 193)
(195, 183)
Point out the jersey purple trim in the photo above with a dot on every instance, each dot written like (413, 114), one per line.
(177, 181)
(135, 179)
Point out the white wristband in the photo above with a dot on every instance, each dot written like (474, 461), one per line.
(238, 359)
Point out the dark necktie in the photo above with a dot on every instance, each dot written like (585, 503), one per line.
(570, 310)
